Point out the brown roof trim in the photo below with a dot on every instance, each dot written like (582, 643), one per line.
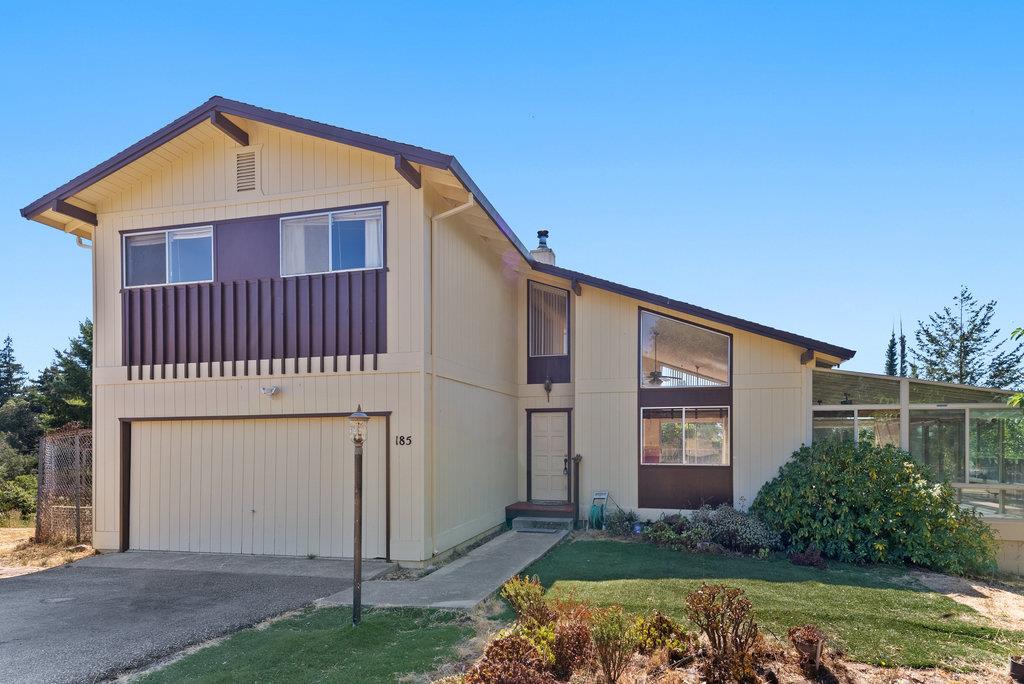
(221, 105)
(700, 312)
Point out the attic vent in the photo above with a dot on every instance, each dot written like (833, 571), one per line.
(245, 171)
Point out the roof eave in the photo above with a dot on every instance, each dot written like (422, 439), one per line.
(697, 311)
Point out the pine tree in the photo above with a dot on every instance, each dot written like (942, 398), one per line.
(903, 352)
(65, 387)
(12, 373)
(890, 355)
(958, 344)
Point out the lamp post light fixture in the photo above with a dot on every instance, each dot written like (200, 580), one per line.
(357, 431)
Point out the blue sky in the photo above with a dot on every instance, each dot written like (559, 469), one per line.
(824, 168)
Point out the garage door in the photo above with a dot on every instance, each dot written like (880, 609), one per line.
(280, 486)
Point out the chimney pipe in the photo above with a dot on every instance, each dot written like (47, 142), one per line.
(542, 252)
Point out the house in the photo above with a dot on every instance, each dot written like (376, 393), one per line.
(257, 276)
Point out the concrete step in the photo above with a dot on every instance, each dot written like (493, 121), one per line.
(524, 524)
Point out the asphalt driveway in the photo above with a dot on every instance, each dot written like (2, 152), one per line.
(116, 612)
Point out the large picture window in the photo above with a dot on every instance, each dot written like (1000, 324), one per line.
(184, 255)
(348, 240)
(549, 320)
(685, 436)
(677, 354)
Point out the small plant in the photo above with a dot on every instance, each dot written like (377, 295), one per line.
(725, 617)
(510, 659)
(570, 608)
(620, 523)
(808, 640)
(657, 631)
(541, 636)
(811, 557)
(661, 533)
(614, 642)
(526, 596)
(573, 649)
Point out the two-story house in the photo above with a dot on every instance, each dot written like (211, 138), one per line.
(258, 275)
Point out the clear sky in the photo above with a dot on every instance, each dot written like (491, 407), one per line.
(824, 168)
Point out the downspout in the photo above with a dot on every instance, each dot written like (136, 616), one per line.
(471, 202)
(81, 243)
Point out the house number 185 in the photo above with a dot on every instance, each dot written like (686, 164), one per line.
(403, 440)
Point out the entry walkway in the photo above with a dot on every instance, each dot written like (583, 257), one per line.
(464, 582)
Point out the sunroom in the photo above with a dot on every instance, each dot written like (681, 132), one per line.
(968, 436)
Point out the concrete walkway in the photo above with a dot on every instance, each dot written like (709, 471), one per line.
(464, 582)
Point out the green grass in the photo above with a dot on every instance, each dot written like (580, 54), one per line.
(878, 615)
(322, 646)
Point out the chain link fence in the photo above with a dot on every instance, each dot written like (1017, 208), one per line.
(64, 499)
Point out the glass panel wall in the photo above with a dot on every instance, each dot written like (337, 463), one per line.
(842, 388)
(997, 446)
(879, 426)
(833, 425)
(937, 440)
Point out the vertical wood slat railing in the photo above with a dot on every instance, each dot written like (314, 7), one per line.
(283, 320)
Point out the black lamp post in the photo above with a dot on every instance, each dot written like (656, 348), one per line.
(357, 430)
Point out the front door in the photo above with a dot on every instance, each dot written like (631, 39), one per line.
(549, 453)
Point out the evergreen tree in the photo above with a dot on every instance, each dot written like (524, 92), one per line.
(890, 356)
(958, 344)
(12, 373)
(65, 386)
(903, 352)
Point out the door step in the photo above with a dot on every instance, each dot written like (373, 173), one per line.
(536, 524)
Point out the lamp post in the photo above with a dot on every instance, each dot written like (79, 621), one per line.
(357, 431)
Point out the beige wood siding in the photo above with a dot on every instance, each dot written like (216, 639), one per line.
(473, 400)
(298, 173)
(271, 486)
(314, 393)
(769, 400)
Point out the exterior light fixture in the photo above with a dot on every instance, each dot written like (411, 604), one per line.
(357, 431)
(269, 391)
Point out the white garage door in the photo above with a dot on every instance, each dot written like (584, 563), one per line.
(280, 486)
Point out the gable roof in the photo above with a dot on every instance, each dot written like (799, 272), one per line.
(707, 314)
(217, 105)
(372, 143)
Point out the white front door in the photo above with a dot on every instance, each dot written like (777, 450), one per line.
(549, 451)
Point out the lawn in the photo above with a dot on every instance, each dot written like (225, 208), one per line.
(878, 615)
(322, 646)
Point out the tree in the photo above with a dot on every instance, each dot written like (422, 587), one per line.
(65, 386)
(1018, 398)
(12, 373)
(890, 356)
(903, 352)
(19, 422)
(958, 344)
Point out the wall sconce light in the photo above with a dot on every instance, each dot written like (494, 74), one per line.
(269, 391)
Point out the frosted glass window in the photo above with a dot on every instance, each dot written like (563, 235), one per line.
(549, 320)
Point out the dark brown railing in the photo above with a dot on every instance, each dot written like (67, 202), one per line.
(294, 319)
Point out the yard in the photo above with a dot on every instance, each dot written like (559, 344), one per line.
(19, 556)
(877, 615)
(321, 645)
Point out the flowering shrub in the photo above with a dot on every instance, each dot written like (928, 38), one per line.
(865, 503)
(714, 530)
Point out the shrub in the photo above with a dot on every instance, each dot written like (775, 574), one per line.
(526, 596)
(804, 638)
(725, 617)
(509, 659)
(620, 522)
(661, 533)
(573, 648)
(657, 631)
(614, 642)
(810, 558)
(712, 530)
(540, 636)
(865, 503)
(18, 494)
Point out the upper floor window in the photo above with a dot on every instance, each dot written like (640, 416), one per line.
(549, 320)
(184, 255)
(335, 241)
(677, 354)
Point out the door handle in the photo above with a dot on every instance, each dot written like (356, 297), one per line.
(565, 465)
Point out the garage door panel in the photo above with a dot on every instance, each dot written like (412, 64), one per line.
(274, 486)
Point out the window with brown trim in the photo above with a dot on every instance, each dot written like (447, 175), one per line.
(674, 354)
(685, 436)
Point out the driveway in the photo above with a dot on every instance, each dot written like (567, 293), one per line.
(107, 614)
